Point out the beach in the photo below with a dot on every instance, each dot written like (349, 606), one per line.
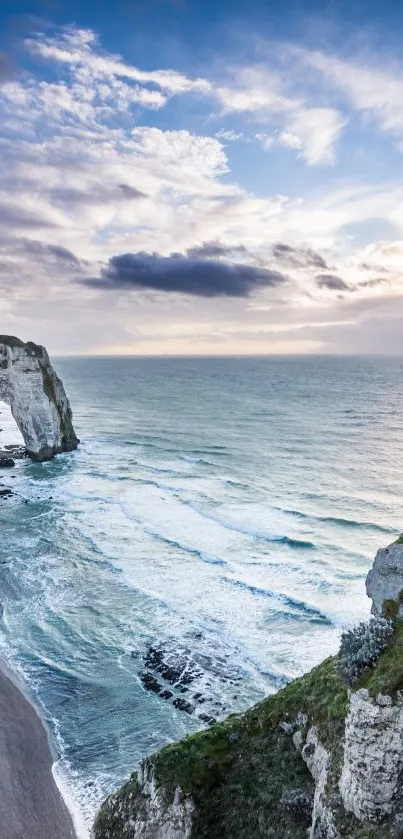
(31, 806)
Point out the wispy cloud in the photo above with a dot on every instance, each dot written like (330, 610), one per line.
(374, 89)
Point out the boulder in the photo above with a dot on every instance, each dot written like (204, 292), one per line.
(6, 462)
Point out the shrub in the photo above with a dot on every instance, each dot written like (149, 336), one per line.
(298, 803)
(390, 608)
(361, 647)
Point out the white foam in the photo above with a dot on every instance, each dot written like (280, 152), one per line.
(80, 821)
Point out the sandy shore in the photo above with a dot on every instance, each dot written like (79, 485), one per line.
(31, 806)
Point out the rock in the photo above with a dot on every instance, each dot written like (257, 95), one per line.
(157, 814)
(174, 665)
(373, 758)
(5, 493)
(318, 761)
(385, 579)
(29, 384)
(180, 668)
(16, 452)
(6, 462)
(150, 682)
(207, 719)
(182, 705)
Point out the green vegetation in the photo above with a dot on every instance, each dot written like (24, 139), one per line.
(245, 776)
(390, 608)
(387, 676)
(399, 540)
(241, 772)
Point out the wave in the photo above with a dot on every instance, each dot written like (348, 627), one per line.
(338, 520)
(310, 612)
(173, 543)
(236, 484)
(248, 530)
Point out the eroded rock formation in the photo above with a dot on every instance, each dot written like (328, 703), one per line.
(29, 384)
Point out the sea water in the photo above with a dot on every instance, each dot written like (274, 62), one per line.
(226, 507)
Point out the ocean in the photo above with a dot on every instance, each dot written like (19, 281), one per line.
(220, 513)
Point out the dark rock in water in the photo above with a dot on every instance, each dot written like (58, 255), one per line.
(4, 493)
(175, 666)
(14, 451)
(206, 718)
(6, 462)
(182, 705)
(172, 668)
(150, 682)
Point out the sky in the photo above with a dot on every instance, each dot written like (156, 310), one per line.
(202, 177)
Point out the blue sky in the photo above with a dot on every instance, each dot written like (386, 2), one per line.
(202, 177)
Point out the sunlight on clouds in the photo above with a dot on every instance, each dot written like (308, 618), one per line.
(89, 182)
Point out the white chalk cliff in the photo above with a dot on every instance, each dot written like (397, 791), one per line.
(38, 402)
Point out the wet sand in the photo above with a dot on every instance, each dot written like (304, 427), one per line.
(31, 806)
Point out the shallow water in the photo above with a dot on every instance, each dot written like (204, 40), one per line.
(228, 507)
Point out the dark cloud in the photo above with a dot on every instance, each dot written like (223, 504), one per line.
(54, 251)
(332, 281)
(306, 257)
(179, 273)
(98, 195)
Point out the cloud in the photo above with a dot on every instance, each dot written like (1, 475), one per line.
(13, 216)
(57, 252)
(97, 194)
(230, 135)
(304, 257)
(314, 132)
(332, 282)
(78, 48)
(369, 87)
(179, 273)
(210, 250)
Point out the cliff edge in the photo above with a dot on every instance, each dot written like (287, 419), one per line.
(39, 405)
(322, 758)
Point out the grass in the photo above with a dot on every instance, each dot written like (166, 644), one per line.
(387, 676)
(238, 771)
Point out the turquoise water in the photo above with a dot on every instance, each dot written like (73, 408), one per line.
(227, 507)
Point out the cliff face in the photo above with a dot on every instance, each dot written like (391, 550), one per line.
(29, 384)
(318, 759)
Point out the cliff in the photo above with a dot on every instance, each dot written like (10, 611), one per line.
(322, 758)
(29, 384)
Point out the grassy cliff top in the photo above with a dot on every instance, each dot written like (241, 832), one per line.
(11, 341)
(245, 776)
